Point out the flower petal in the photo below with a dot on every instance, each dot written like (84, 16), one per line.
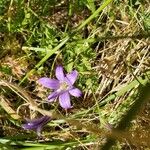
(52, 96)
(72, 76)
(64, 100)
(49, 83)
(75, 92)
(59, 73)
(36, 123)
(27, 126)
(38, 130)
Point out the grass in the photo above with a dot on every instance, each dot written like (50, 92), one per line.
(107, 42)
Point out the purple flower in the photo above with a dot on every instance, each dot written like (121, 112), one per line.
(36, 124)
(62, 86)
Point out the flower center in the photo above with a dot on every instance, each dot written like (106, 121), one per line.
(63, 86)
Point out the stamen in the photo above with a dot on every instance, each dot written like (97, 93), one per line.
(63, 86)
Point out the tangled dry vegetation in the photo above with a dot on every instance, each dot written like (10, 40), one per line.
(110, 72)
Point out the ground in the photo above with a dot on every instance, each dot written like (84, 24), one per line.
(107, 42)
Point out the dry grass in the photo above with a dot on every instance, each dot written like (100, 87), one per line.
(121, 56)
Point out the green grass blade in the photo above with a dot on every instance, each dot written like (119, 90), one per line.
(105, 4)
(50, 53)
(91, 5)
(128, 87)
(141, 98)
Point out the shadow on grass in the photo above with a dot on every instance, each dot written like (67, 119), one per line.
(141, 98)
